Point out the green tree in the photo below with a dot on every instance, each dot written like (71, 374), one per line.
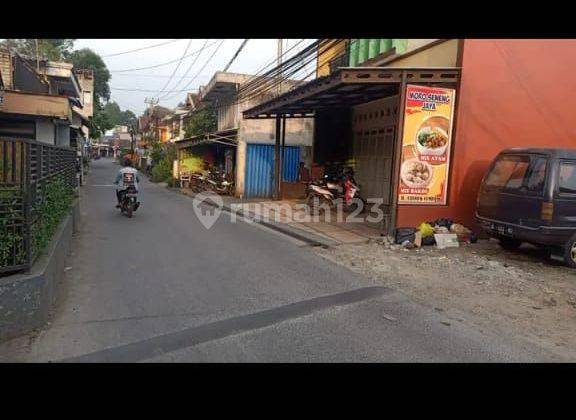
(129, 118)
(100, 122)
(88, 59)
(201, 122)
(113, 112)
(48, 49)
(117, 116)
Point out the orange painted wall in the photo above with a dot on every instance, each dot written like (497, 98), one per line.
(513, 93)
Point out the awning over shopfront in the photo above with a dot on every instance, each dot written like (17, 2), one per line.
(225, 137)
(348, 87)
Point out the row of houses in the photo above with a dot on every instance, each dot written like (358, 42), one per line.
(242, 148)
(47, 101)
(373, 104)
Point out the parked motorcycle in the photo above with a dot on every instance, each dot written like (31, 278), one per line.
(335, 188)
(219, 182)
(212, 180)
(198, 182)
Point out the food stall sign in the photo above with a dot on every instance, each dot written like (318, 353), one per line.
(426, 144)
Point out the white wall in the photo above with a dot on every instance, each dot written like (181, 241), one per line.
(45, 131)
(62, 135)
(299, 132)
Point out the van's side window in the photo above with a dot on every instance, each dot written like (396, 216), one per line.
(537, 175)
(567, 178)
(508, 172)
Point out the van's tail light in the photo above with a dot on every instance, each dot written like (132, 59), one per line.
(547, 211)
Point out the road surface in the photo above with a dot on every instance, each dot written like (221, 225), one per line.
(160, 287)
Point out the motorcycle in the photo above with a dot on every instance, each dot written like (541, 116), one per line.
(197, 183)
(212, 181)
(219, 183)
(129, 202)
(333, 189)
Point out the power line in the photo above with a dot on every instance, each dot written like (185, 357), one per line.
(141, 49)
(252, 78)
(184, 76)
(142, 90)
(161, 64)
(258, 80)
(269, 81)
(295, 65)
(292, 66)
(159, 76)
(190, 67)
(264, 81)
(274, 60)
(236, 54)
(199, 71)
(123, 89)
(176, 68)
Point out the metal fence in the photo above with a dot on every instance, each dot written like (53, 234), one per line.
(27, 169)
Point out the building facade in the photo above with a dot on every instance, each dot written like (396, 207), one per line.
(45, 101)
(477, 96)
(246, 147)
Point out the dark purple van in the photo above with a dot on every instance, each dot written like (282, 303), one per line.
(529, 195)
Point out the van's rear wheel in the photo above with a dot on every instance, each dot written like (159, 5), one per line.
(570, 252)
(510, 244)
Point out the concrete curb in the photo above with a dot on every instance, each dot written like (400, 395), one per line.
(27, 299)
(304, 236)
(309, 238)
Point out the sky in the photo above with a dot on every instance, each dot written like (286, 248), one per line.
(197, 69)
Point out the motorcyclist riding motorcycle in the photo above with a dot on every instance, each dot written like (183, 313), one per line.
(119, 181)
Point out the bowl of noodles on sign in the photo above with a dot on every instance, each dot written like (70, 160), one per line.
(431, 141)
(432, 137)
(416, 174)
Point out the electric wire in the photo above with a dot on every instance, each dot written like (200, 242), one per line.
(161, 64)
(176, 68)
(141, 49)
(199, 71)
(189, 68)
(235, 55)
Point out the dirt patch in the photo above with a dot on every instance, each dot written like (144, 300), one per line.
(520, 293)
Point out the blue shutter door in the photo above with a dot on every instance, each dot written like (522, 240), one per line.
(291, 161)
(259, 181)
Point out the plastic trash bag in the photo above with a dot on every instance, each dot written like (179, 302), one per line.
(426, 229)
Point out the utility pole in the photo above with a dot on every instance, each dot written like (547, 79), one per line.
(280, 42)
(152, 102)
(277, 144)
(37, 56)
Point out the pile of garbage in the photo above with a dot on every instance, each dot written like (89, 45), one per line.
(443, 233)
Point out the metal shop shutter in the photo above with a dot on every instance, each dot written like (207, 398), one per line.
(259, 180)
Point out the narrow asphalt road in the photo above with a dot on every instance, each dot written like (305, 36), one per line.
(161, 287)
